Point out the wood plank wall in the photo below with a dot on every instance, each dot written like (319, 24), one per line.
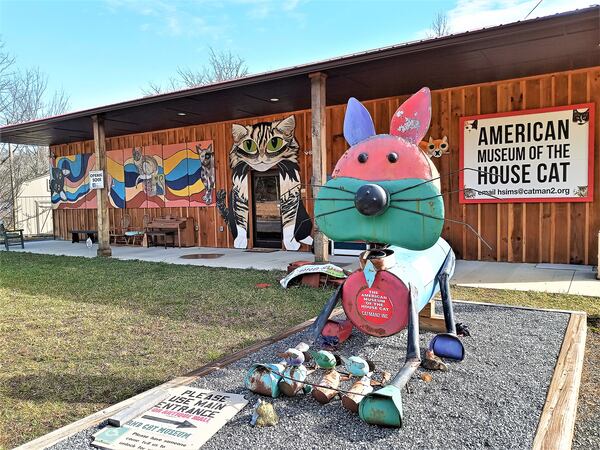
(517, 232)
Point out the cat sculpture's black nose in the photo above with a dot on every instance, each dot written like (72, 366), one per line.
(371, 200)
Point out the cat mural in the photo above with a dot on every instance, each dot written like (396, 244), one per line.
(207, 160)
(148, 173)
(57, 182)
(261, 147)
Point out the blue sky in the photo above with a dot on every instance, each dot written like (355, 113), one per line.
(104, 51)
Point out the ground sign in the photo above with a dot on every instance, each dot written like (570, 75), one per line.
(186, 419)
(539, 155)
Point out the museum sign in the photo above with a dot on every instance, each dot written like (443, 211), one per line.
(541, 155)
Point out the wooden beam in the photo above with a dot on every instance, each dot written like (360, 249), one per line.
(557, 422)
(319, 154)
(102, 194)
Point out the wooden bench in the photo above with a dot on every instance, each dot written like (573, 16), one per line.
(92, 234)
(11, 237)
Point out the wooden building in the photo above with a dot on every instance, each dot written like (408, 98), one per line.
(541, 63)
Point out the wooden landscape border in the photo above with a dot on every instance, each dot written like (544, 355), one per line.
(557, 420)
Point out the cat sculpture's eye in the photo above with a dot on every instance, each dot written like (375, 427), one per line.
(392, 157)
(275, 144)
(362, 158)
(431, 146)
(249, 146)
(443, 145)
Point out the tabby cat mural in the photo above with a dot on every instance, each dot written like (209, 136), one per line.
(261, 147)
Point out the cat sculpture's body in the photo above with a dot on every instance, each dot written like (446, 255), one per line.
(261, 147)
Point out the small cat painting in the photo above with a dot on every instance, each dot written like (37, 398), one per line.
(207, 160)
(471, 125)
(581, 191)
(435, 148)
(581, 117)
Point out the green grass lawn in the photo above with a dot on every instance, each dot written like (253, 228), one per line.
(80, 334)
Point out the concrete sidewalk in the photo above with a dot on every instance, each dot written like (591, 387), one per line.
(558, 278)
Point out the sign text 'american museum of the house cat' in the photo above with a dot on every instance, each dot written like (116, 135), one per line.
(541, 155)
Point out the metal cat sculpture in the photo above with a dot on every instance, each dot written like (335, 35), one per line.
(386, 191)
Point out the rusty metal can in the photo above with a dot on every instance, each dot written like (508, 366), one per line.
(264, 379)
(292, 381)
(357, 392)
(331, 379)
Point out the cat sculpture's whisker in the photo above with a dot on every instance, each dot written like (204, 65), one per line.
(440, 176)
(317, 185)
(460, 222)
(442, 194)
(298, 226)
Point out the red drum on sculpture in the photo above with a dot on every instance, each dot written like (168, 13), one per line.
(380, 310)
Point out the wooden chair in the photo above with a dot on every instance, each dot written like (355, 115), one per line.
(11, 237)
(137, 235)
(119, 235)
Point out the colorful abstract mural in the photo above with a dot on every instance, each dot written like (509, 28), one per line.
(69, 185)
(115, 179)
(135, 196)
(91, 201)
(152, 176)
(175, 159)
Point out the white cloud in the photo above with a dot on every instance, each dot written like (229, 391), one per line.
(475, 14)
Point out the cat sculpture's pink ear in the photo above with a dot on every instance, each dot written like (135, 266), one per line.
(411, 120)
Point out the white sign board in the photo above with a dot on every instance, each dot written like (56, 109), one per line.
(542, 155)
(186, 419)
(96, 179)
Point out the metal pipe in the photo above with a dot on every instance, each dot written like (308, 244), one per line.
(413, 357)
(326, 312)
(444, 280)
(384, 407)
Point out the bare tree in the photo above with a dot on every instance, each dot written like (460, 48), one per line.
(24, 97)
(440, 26)
(221, 66)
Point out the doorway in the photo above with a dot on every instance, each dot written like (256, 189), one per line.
(266, 214)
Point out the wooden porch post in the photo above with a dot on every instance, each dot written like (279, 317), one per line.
(319, 154)
(102, 194)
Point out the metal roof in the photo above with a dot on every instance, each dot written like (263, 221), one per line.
(548, 44)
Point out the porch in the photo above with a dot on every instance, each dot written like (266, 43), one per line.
(556, 278)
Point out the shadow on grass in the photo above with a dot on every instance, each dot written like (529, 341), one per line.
(73, 388)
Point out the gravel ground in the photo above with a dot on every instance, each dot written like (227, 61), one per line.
(492, 399)
(587, 426)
